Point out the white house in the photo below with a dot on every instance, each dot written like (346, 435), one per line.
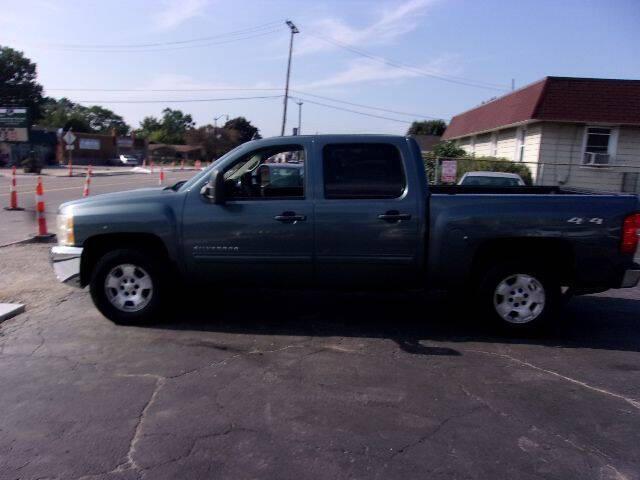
(577, 132)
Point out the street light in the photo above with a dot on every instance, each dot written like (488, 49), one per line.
(215, 120)
(215, 133)
(294, 30)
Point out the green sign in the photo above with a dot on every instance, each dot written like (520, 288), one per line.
(14, 124)
(13, 117)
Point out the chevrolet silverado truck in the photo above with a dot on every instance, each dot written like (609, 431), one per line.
(346, 212)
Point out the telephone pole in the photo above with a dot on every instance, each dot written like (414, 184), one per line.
(294, 30)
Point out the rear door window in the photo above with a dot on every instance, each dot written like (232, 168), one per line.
(362, 170)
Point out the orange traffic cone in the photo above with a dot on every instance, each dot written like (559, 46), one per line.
(42, 234)
(87, 183)
(161, 177)
(13, 201)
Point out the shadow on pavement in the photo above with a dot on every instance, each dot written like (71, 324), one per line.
(597, 322)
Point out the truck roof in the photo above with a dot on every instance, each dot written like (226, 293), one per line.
(336, 136)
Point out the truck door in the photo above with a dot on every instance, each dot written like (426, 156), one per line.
(367, 215)
(263, 232)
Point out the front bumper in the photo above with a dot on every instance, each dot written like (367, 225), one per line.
(66, 264)
(630, 278)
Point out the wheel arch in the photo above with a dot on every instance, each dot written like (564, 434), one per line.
(95, 247)
(554, 254)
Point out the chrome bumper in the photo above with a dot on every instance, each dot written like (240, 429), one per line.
(66, 264)
(630, 279)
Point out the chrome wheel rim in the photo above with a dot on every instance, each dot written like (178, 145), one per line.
(519, 298)
(128, 287)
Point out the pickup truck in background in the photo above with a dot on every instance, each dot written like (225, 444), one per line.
(347, 212)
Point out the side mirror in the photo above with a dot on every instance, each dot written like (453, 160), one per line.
(213, 190)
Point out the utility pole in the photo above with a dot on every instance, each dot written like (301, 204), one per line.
(294, 30)
(215, 133)
(299, 117)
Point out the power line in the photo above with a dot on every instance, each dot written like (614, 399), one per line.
(306, 100)
(189, 100)
(411, 68)
(164, 49)
(222, 89)
(174, 90)
(367, 106)
(243, 31)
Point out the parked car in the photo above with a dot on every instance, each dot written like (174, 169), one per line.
(125, 161)
(491, 179)
(360, 215)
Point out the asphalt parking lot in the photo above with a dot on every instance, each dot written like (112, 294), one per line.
(18, 225)
(311, 385)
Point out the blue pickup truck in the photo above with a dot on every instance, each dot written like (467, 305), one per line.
(347, 212)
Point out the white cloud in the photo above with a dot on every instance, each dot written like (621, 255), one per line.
(364, 70)
(175, 12)
(390, 23)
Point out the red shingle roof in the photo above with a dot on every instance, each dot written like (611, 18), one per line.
(555, 99)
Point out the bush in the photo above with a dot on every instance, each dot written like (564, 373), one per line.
(493, 164)
(479, 164)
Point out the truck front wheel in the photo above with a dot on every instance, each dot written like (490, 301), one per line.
(519, 296)
(126, 286)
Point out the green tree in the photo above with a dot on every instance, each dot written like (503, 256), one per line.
(172, 128)
(103, 120)
(18, 85)
(448, 149)
(427, 127)
(64, 113)
(246, 131)
(215, 141)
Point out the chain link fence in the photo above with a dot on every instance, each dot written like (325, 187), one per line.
(606, 178)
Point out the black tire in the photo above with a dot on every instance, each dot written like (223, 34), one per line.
(151, 311)
(491, 300)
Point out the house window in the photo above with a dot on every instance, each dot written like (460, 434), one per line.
(599, 145)
(520, 143)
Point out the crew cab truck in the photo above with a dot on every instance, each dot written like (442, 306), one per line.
(346, 211)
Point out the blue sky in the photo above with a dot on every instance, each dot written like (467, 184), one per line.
(453, 54)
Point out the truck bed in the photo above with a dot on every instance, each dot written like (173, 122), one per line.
(526, 190)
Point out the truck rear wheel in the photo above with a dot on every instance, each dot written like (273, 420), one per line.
(127, 286)
(519, 296)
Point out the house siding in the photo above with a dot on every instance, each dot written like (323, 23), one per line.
(507, 143)
(561, 152)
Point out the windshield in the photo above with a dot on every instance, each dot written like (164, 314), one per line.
(196, 178)
(478, 181)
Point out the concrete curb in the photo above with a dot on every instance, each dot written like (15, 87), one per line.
(33, 239)
(9, 310)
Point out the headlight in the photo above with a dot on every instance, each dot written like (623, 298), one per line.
(64, 223)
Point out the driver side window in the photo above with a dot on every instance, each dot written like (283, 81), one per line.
(267, 173)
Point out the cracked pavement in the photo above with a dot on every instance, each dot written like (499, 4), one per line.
(312, 385)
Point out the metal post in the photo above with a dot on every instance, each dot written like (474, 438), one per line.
(299, 118)
(294, 30)
(215, 134)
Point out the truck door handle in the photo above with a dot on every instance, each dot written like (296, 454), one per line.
(394, 216)
(290, 217)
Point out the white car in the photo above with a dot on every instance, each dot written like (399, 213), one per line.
(491, 179)
(126, 161)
